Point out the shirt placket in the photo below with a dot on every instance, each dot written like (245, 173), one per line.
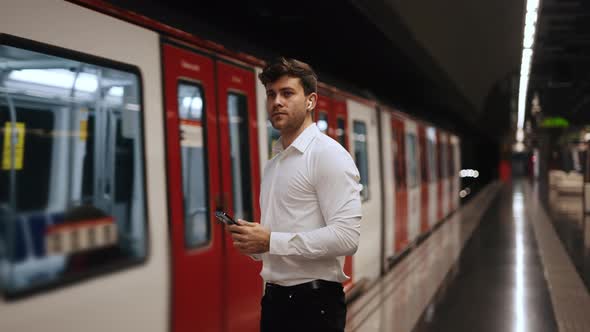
(269, 213)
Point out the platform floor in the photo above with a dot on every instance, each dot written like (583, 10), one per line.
(500, 285)
(494, 265)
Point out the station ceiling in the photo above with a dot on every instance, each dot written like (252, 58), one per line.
(455, 64)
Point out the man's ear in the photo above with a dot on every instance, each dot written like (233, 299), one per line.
(312, 100)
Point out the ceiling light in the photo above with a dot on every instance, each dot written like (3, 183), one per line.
(61, 78)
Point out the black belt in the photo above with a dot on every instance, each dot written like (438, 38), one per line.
(314, 284)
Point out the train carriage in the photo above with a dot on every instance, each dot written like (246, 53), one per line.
(91, 93)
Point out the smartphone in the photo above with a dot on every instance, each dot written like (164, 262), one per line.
(225, 218)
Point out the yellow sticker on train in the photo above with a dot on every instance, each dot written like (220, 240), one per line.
(83, 124)
(83, 130)
(13, 159)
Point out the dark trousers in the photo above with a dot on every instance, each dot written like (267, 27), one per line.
(306, 307)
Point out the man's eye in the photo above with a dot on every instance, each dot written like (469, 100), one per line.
(287, 93)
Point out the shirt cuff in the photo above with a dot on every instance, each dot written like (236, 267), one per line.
(279, 243)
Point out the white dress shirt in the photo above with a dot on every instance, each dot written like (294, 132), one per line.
(310, 201)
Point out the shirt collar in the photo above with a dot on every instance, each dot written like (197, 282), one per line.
(302, 141)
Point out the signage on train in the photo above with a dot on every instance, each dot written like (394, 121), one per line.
(12, 156)
(190, 66)
(236, 79)
(191, 133)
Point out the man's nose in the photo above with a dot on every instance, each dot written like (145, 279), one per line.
(277, 100)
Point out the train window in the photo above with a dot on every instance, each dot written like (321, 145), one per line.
(398, 159)
(361, 156)
(72, 196)
(240, 155)
(341, 131)
(412, 160)
(273, 136)
(424, 174)
(323, 122)
(191, 104)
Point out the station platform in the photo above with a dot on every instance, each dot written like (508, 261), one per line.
(496, 264)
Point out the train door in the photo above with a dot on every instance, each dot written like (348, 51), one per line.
(424, 179)
(401, 193)
(444, 174)
(193, 185)
(362, 125)
(240, 187)
(330, 117)
(413, 180)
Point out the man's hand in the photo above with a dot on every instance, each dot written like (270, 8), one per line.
(250, 237)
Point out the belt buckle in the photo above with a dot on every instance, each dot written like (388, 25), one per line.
(315, 284)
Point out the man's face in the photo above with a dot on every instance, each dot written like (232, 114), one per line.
(286, 104)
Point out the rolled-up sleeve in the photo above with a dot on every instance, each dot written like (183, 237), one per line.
(336, 181)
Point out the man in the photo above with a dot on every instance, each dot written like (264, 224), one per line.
(311, 211)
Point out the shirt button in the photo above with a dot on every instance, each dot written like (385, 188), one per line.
(290, 296)
(322, 312)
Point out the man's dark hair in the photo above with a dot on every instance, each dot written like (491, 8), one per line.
(292, 68)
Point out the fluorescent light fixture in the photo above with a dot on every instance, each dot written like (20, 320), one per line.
(524, 82)
(532, 5)
(116, 91)
(528, 41)
(531, 18)
(60, 78)
(525, 67)
(519, 135)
